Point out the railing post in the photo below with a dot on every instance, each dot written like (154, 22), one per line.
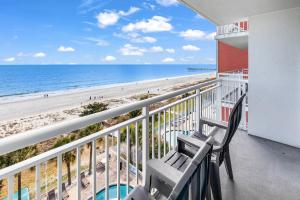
(219, 101)
(10, 186)
(37, 181)
(78, 172)
(198, 109)
(94, 163)
(145, 146)
(59, 177)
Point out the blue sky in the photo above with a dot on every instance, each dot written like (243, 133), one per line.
(103, 31)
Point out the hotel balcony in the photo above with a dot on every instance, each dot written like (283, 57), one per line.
(234, 34)
(262, 169)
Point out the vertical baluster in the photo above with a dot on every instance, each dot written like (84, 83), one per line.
(186, 116)
(136, 153)
(10, 186)
(181, 117)
(170, 129)
(189, 113)
(106, 168)
(194, 114)
(153, 153)
(118, 164)
(78, 172)
(127, 160)
(165, 131)
(59, 177)
(198, 109)
(158, 135)
(174, 126)
(37, 181)
(145, 141)
(94, 166)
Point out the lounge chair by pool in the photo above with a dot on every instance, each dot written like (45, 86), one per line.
(65, 194)
(84, 181)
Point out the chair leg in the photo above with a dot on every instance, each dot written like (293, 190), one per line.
(228, 164)
(215, 181)
(208, 193)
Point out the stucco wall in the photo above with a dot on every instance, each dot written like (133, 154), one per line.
(274, 76)
(231, 58)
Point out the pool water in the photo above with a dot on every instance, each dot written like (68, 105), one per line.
(113, 192)
(24, 194)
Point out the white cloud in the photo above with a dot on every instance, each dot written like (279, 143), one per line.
(148, 6)
(98, 41)
(65, 49)
(20, 54)
(109, 18)
(156, 49)
(211, 36)
(190, 47)
(109, 58)
(167, 2)
(170, 50)
(191, 34)
(146, 39)
(10, 59)
(137, 38)
(131, 11)
(130, 50)
(168, 60)
(211, 60)
(39, 55)
(155, 24)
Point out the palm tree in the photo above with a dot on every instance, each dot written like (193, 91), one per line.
(91, 109)
(19, 156)
(68, 157)
(87, 131)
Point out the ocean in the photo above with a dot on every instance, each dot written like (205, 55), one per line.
(29, 79)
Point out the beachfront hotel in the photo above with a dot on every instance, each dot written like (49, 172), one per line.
(253, 102)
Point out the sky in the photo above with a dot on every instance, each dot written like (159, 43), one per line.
(104, 32)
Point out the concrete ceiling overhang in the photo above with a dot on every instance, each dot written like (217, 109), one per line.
(223, 12)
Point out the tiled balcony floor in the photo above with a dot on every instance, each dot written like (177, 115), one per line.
(262, 170)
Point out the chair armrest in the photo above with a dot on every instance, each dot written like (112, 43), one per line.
(211, 122)
(163, 171)
(188, 145)
(189, 141)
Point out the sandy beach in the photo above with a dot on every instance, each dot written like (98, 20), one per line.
(23, 113)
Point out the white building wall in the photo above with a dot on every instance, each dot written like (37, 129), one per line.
(274, 76)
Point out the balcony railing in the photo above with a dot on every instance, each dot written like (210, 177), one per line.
(126, 146)
(236, 27)
(234, 83)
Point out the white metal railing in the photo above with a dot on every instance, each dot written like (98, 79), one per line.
(157, 128)
(233, 85)
(236, 27)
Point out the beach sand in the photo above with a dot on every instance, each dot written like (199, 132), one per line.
(32, 111)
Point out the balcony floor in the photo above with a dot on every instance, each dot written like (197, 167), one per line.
(262, 170)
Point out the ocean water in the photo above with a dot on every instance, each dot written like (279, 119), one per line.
(28, 79)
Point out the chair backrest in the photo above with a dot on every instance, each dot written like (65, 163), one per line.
(195, 175)
(234, 121)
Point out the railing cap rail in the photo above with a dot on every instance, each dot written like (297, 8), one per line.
(31, 137)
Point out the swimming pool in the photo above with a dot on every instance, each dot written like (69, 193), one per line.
(113, 192)
(24, 194)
